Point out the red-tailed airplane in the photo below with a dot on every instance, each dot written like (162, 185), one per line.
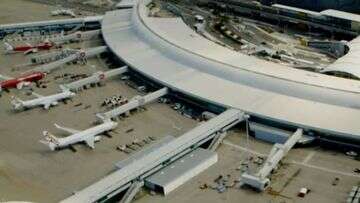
(21, 81)
(28, 48)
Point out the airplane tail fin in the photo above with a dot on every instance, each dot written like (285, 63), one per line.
(50, 140)
(8, 47)
(16, 103)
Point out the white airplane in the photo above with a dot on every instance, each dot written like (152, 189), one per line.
(45, 101)
(89, 136)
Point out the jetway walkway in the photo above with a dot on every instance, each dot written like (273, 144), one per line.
(153, 161)
(51, 56)
(78, 36)
(132, 104)
(96, 78)
(131, 192)
(51, 25)
(260, 180)
(215, 143)
(81, 55)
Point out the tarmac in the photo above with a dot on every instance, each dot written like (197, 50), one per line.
(29, 171)
(313, 168)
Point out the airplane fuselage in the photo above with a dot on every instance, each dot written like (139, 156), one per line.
(51, 100)
(14, 83)
(41, 46)
(86, 134)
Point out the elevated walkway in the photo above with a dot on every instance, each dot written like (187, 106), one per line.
(260, 180)
(155, 160)
(51, 25)
(96, 78)
(131, 192)
(134, 103)
(81, 55)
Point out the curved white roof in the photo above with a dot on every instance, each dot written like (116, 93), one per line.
(350, 63)
(169, 52)
(341, 15)
(291, 8)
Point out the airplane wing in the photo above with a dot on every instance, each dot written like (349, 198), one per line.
(68, 130)
(3, 77)
(32, 50)
(64, 88)
(90, 142)
(22, 84)
(37, 95)
(47, 105)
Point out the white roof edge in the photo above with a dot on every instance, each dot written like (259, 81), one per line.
(350, 63)
(341, 15)
(296, 9)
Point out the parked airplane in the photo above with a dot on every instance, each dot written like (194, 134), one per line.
(21, 81)
(45, 101)
(28, 48)
(89, 136)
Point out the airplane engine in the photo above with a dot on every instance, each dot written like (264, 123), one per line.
(54, 103)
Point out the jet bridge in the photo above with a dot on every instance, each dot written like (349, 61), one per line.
(81, 55)
(131, 192)
(151, 162)
(90, 22)
(260, 180)
(96, 78)
(215, 143)
(132, 104)
(78, 36)
(51, 56)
